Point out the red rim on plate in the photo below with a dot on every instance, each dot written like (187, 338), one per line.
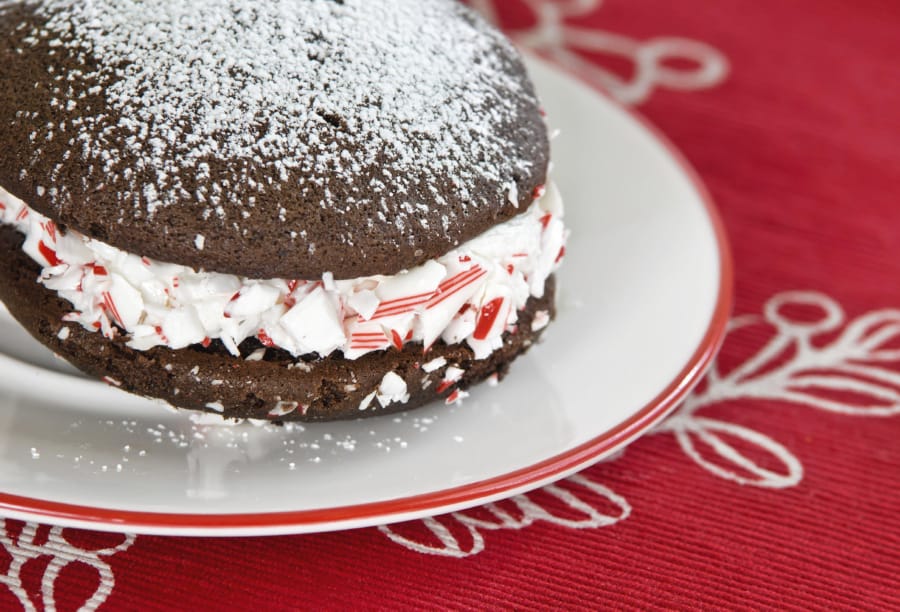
(437, 502)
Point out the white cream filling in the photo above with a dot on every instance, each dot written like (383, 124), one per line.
(472, 294)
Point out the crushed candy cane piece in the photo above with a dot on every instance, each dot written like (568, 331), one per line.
(434, 364)
(540, 321)
(283, 409)
(470, 295)
(392, 389)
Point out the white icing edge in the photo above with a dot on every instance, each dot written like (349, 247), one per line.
(472, 294)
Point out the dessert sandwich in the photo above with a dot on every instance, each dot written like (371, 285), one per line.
(286, 210)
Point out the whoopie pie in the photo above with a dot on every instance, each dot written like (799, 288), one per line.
(282, 210)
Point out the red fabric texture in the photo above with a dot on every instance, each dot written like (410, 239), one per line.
(800, 148)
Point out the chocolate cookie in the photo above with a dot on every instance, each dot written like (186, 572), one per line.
(357, 137)
(294, 211)
(262, 383)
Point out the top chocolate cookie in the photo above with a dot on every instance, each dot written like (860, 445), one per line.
(284, 138)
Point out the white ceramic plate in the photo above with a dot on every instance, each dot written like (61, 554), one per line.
(644, 300)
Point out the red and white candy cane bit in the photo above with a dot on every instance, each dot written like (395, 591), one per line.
(23, 214)
(285, 408)
(445, 384)
(408, 304)
(368, 340)
(159, 332)
(460, 279)
(265, 339)
(396, 339)
(110, 305)
(399, 306)
(366, 335)
(539, 192)
(109, 380)
(545, 220)
(456, 397)
(562, 253)
(487, 317)
(225, 314)
(49, 228)
(109, 332)
(145, 261)
(289, 300)
(455, 284)
(99, 270)
(49, 254)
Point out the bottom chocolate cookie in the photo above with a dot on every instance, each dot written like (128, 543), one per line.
(264, 383)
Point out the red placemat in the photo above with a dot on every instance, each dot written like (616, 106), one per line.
(778, 482)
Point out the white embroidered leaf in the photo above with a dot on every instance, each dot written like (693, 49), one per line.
(842, 382)
(584, 501)
(19, 556)
(874, 372)
(868, 333)
(651, 61)
(846, 375)
(440, 540)
(585, 504)
(729, 462)
(61, 553)
(840, 407)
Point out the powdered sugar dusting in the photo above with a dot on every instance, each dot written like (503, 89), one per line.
(210, 95)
